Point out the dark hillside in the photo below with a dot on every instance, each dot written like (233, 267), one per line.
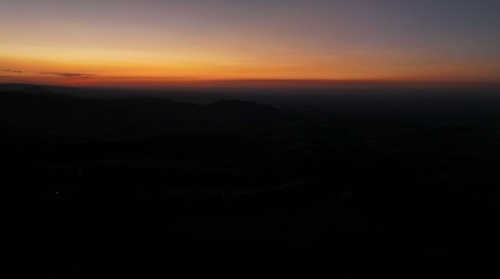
(182, 179)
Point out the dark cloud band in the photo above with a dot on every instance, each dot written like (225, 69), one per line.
(68, 75)
(13, 71)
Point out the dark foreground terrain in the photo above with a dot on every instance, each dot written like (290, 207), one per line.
(146, 185)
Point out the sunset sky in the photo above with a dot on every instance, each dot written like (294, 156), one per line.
(189, 42)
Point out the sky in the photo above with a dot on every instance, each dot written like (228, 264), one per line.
(155, 43)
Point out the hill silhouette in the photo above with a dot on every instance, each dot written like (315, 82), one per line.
(360, 183)
(40, 110)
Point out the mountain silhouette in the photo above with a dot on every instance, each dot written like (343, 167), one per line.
(38, 108)
(229, 172)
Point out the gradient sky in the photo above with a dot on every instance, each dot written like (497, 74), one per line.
(156, 43)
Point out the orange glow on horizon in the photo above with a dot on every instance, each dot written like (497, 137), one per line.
(190, 66)
(248, 43)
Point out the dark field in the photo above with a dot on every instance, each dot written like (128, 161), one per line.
(279, 184)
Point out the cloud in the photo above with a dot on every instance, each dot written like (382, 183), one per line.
(61, 74)
(68, 75)
(13, 71)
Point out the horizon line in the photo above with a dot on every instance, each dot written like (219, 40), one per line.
(273, 84)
